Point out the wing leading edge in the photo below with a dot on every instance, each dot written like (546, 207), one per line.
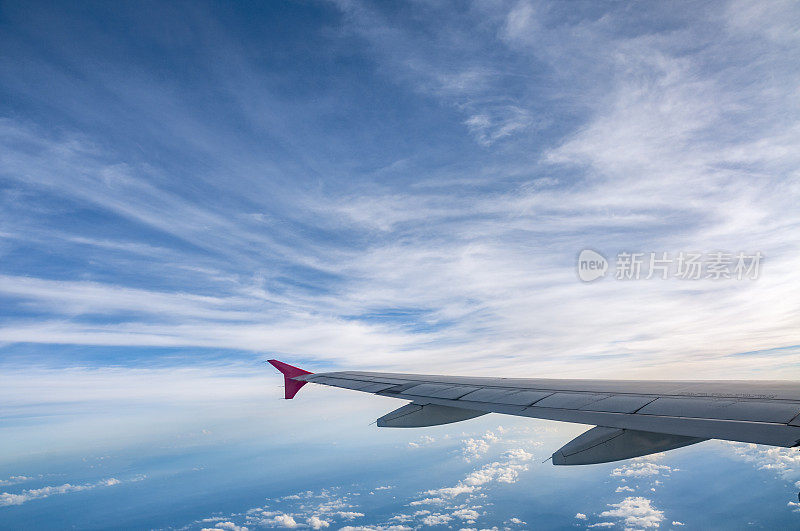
(632, 417)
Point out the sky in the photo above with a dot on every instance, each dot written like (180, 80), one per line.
(190, 188)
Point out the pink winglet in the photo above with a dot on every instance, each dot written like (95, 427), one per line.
(291, 386)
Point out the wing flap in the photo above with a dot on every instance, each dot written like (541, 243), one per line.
(570, 400)
(620, 404)
(780, 412)
(355, 385)
(440, 391)
(506, 396)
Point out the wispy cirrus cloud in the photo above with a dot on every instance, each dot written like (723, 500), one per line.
(427, 259)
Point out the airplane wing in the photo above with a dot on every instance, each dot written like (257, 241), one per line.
(631, 417)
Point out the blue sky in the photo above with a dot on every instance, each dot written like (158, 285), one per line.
(187, 189)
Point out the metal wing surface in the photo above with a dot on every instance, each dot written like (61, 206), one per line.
(633, 417)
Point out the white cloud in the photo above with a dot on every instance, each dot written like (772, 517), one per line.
(228, 526)
(349, 515)
(13, 480)
(451, 492)
(427, 501)
(497, 123)
(506, 471)
(437, 519)
(377, 528)
(640, 470)
(7, 498)
(502, 472)
(473, 485)
(580, 516)
(518, 454)
(466, 514)
(316, 523)
(424, 440)
(475, 448)
(281, 520)
(785, 462)
(308, 509)
(668, 145)
(635, 512)
(483, 255)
